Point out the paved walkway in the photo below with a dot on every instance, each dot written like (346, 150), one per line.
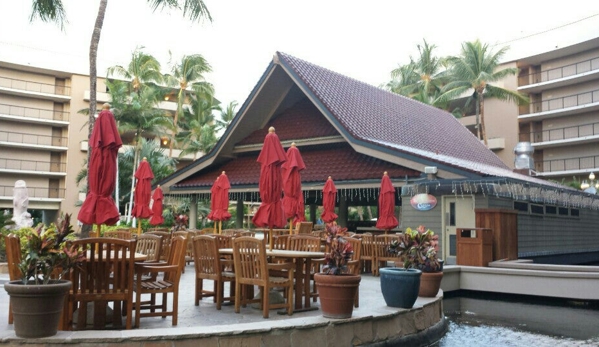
(206, 316)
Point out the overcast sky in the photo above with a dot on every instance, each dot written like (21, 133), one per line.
(363, 40)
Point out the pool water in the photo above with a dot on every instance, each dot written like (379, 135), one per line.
(487, 319)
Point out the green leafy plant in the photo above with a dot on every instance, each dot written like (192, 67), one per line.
(417, 249)
(45, 252)
(340, 251)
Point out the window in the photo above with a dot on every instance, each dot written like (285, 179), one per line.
(520, 206)
(537, 209)
(550, 210)
(452, 214)
(575, 212)
(563, 211)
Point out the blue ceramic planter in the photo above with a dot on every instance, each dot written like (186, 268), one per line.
(400, 286)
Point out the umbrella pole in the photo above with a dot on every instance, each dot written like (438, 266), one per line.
(290, 226)
(270, 242)
(98, 229)
(215, 230)
(220, 227)
(139, 228)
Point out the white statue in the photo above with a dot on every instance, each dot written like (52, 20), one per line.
(20, 216)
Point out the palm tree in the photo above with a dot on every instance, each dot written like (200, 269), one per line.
(226, 116)
(142, 68)
(198, 129)
(475, 69)
(421, 79)
(186, 75)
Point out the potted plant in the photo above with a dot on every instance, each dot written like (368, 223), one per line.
(37, 298)
(417, 249)
(337, 287)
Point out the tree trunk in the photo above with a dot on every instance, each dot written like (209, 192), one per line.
(93, 82)
(482, 119)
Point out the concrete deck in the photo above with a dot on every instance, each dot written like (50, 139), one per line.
(372, 324)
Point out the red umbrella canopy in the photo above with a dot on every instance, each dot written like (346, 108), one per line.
(221, 204)
(157, 218)
(293, 200)
(143, 188)
(213, 197)
(270, 212)
(105, 141)
(386, 219)
(329, 193)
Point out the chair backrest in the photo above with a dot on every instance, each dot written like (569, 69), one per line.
(367, 245)
(249, 257)
(280, 241)
(176, 257)
(304, 228)
(240, 233)
(166, 242)
(354, 262)
(207, 231)
(150, 245)
(223, 241)
(381, 246)
(206, 257)
(305, 243)
(13, 256)
(119, 234)
(105, 272)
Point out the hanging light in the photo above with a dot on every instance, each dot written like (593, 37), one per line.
(584, 185)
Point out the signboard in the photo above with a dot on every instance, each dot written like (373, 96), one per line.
(423, 202)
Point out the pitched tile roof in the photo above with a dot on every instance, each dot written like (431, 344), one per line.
(380, 117)
(342, 163)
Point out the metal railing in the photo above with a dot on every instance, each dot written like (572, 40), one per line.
(570, 164)
(37, 87)
(33, 139)
(572, 132)
(559, 72)
(31, 112)
(36, 192)
(32, 165)
(565, 102)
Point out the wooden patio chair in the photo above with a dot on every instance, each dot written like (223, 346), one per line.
(189, 250)
(13, 258)
(209, 266)
(119, 234)
(165, 284)
(252, 269)
(367, 254)
(304, 228)
(280, 241)
(105, 276)
(206, 231)
(307, 243)
(354, 263)
(166, 242)
(381, 249)
(150, 245)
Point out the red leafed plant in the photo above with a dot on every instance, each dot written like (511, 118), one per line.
(340, 251)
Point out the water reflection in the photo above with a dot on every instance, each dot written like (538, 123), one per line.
(486, 319)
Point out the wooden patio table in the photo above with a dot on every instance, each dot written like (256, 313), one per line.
(302, 279)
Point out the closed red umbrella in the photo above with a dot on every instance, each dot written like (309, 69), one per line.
(157, 197)
(293, 200)
(143, 188)
(386, 219)
(270, 213)
(213, 198)
(329, 193)
(105, 141)
(220, 210)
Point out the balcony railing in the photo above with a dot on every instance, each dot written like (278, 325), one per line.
(559, 72)
(32, 139)
(34, 86)
(565, 102)
(30, 112)
(32, 165)
(36, 192)
(570, 164)
(558, 134)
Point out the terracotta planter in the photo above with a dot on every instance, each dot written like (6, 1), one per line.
(430, 282)
(337, 294)
(400, 286)
(37, 308)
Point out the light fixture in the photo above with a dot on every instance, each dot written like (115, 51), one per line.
(166, 98)
(165, 141)
(584, 185)
(592, 176)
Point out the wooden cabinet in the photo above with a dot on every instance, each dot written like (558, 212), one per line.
(474, 246)
(504, 224)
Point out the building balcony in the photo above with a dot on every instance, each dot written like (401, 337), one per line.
(558, 107)
(562, 76)
(34, 115)
(32, 141)
(176, 152)
(37, 90)
(102, 97)
(567, 167)
(559, 137)
(33, 167)
(35, 192)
